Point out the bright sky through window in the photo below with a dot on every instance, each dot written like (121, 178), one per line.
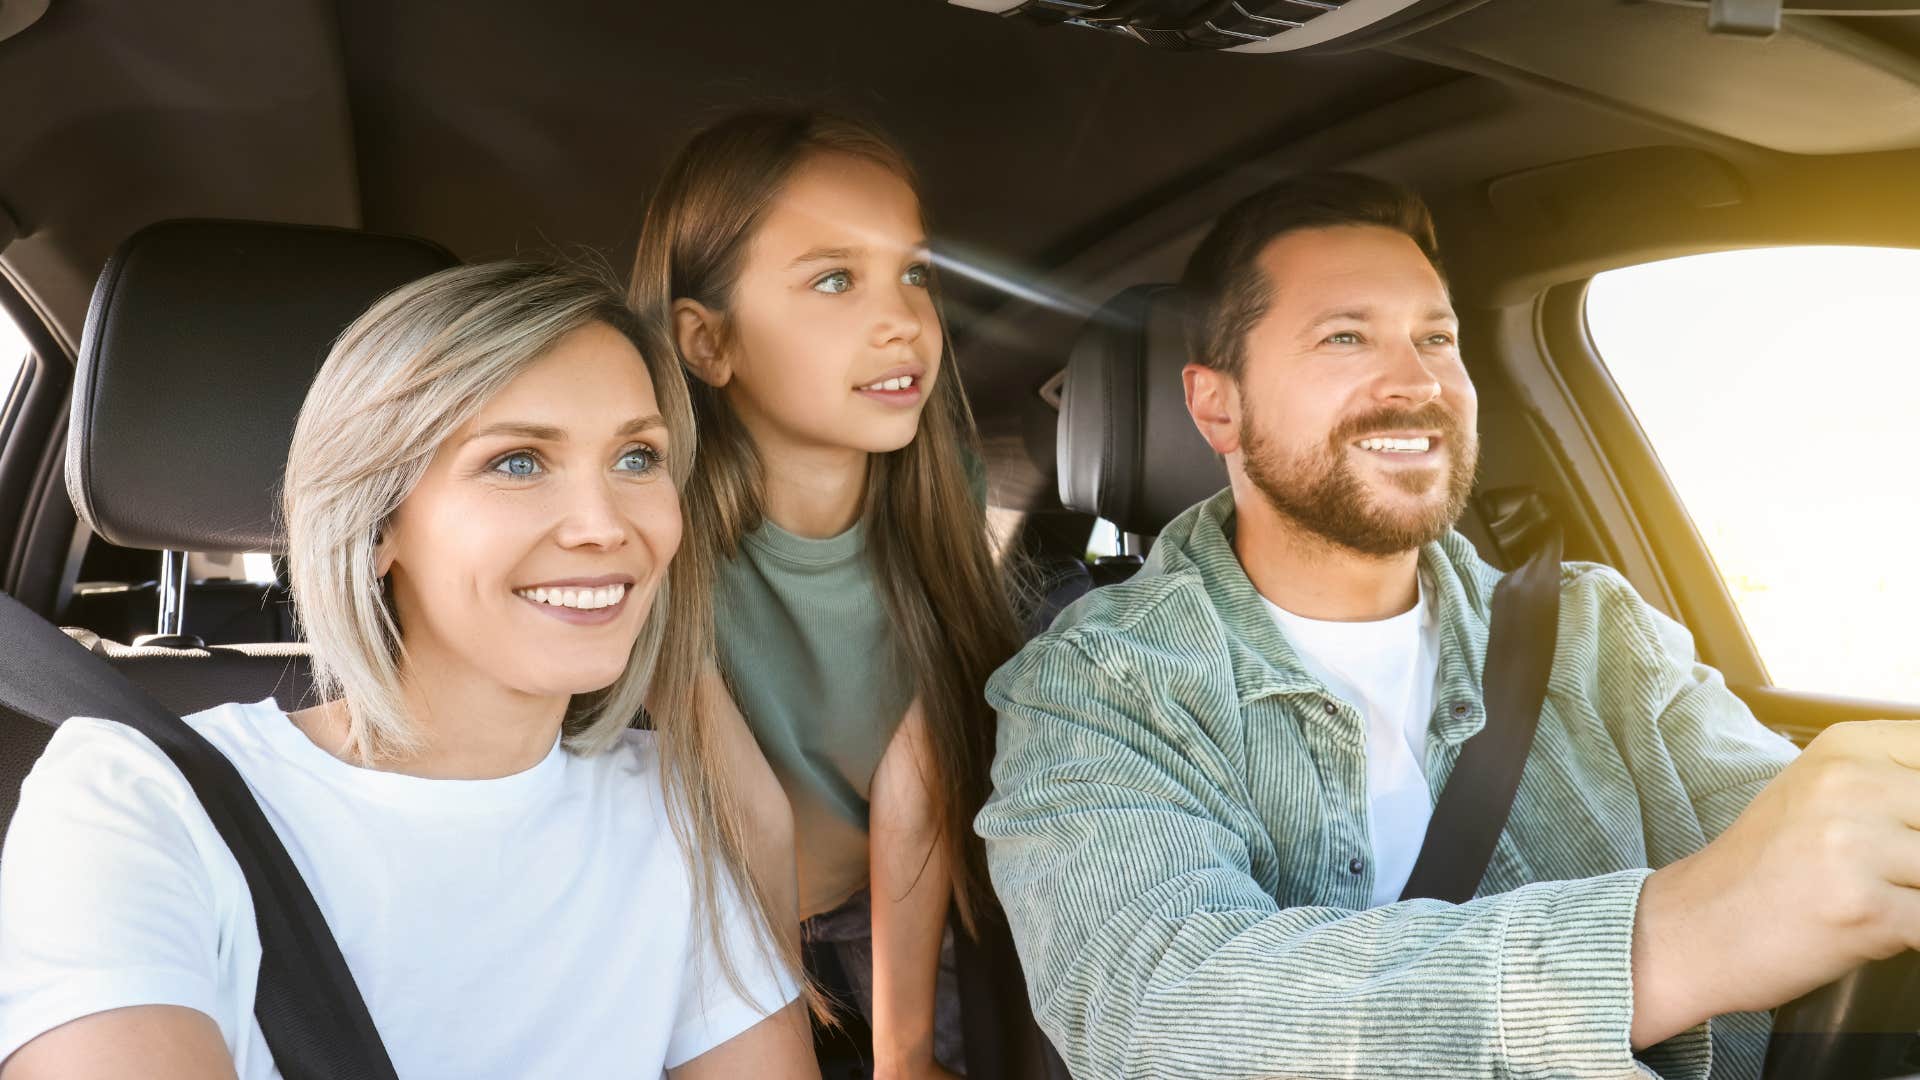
(13, 353)
(1779, 388)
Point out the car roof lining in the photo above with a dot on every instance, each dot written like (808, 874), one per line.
(1076, 162)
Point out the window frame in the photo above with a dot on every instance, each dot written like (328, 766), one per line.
(33, 423)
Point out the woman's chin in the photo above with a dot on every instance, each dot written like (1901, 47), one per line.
(572, 682)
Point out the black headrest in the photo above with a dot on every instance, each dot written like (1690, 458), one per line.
(199, 346)
(1127, 449)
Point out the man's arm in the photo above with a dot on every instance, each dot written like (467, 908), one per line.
(1150, 949)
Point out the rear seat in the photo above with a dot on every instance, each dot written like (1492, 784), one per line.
(199, 346)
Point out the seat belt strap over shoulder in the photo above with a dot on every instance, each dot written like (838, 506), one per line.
(309, 1008)
(1474, 805)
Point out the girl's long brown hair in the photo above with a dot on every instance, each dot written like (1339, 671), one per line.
(925, 534)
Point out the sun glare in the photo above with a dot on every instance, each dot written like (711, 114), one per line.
(1779, 387)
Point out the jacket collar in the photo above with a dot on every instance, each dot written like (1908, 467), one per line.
(1264, 662)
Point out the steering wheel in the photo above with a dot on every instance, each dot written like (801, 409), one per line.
(1865, 1026)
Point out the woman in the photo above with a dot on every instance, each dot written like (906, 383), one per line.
(481, 508)
(837, 504)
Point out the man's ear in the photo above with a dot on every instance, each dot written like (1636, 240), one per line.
(697, 330)
(1213, 400)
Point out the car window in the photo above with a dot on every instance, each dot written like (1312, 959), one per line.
(1778, 387)
(1104, 540)
(13, 354)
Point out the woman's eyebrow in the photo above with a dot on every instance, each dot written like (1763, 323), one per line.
(519, 429)
(522, 429)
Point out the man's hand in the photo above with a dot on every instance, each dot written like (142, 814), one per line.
(1819, 875)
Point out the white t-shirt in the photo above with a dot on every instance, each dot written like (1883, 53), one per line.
(1385, 669)
(539, 924)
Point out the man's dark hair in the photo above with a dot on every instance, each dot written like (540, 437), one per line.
(1224, 290)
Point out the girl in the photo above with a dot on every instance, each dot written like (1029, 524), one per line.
(858, 609)
(480, 505)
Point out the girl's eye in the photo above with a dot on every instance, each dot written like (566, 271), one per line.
(918, 275)
(838, 281)
(640, 459)
(518, 463)
(1344, 337)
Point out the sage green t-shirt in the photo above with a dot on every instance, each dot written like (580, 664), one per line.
(805, 641)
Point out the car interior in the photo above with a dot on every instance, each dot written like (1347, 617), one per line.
(195, 199)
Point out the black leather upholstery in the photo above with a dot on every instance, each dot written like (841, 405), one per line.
(1127, 450)
(197, 352)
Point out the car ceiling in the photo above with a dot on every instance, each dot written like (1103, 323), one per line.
(1554, 138)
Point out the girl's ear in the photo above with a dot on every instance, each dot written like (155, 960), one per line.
(696, 329)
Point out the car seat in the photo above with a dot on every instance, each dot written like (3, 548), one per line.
(199, 345)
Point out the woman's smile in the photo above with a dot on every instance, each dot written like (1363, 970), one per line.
(581, 601)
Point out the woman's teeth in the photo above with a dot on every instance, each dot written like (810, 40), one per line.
(901, 383)
(1418, 445)
(584, 599)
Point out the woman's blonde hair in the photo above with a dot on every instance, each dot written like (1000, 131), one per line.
(400, 381)
(924, 528)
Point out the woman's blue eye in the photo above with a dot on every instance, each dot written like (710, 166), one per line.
(918, 274)
(838, 281)
(640, 459)
(518, 463)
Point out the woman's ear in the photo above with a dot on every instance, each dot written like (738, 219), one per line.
(697, 330)
(383, 551)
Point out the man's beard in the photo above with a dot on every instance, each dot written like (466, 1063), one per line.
(1320, 490)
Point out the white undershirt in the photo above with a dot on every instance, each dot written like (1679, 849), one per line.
(1385, 669)
(536, 925)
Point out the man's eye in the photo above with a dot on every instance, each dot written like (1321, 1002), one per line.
(838, 281)
(919, 274)
(1344, 337)
(518, 463)
(640, 459)
(1442, 340)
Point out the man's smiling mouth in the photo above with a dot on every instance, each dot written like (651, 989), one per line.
(1389, 444)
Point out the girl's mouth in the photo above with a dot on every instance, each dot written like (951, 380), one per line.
(899, 390)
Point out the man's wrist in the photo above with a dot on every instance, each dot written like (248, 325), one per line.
(1667, 938)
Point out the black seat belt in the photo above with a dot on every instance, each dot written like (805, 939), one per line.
(1473, 806)
(309, 1008)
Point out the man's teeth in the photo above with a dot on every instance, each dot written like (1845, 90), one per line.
(901, 383)
(584, 599)
(1418, 445)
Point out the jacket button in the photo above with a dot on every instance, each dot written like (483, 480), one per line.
(1357, 867)
(1461, 709)
(1332, 709)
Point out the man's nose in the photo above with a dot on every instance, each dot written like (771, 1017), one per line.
(1408, 376)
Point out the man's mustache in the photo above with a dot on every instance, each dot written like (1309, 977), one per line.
(1432, 416)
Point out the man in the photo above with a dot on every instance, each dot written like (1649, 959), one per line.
(1212, 780)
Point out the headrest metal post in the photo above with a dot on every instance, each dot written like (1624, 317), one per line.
(173, 593)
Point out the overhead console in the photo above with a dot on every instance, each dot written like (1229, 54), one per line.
(1254, 26)
(1271, 26)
